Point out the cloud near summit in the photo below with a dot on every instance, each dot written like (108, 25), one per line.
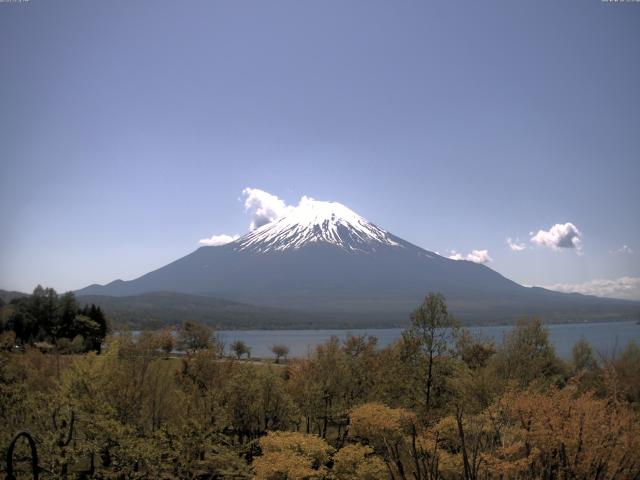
(263, 207)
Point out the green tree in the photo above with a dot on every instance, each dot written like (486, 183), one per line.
(66, 311)
(626, 367)
(240, 348)
(432, 332)
(195, 336)
(527, 355)
(18, 318)
(475, 351)
(88, 329)
(43, 306)
(582, 357)
(48, 317)
(96, 314)
(78, 344)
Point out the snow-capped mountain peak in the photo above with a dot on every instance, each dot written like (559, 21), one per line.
(314, 221)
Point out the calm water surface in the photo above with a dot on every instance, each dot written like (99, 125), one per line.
(605, 337)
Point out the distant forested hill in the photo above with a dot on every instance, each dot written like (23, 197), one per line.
(6, 296)
(155, 309)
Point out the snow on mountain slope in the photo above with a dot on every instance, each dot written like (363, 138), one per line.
(314, 221)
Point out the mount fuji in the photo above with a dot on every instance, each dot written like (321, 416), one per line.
(323, 261)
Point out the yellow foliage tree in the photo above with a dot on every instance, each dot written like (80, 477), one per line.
(560, 435)
(356, 462)
(291, 455)
(388, 431)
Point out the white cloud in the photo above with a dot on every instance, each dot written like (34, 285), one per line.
(479, 256)
(627, 288)
(476, 256)
(623, 249)
(456, 256)
(559, 236)
(216, 240)
(515, 246)
(263, 207)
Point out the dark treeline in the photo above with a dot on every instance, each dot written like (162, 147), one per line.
(52, 321)
(439, 403)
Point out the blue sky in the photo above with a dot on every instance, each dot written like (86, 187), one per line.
(129, 129)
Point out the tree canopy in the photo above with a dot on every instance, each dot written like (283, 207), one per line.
(47, 318)
(348, 410)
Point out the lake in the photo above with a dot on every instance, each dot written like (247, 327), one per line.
(604, 337)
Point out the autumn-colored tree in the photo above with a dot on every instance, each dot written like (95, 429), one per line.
(563, 435)
(357, 462)
(388, 430)
(292, 455)
(166, 340)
